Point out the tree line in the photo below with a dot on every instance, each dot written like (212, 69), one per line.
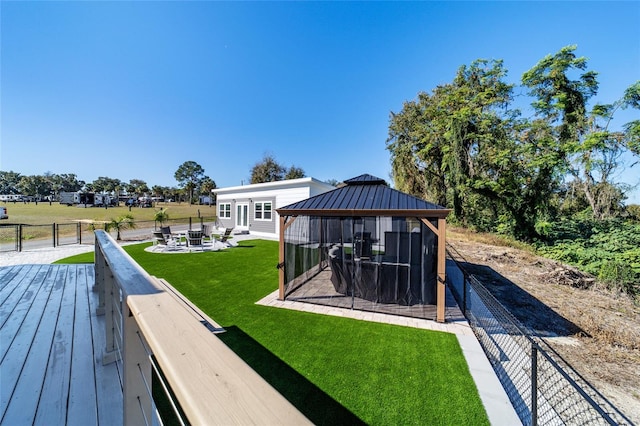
(190, 176)
(465, 145)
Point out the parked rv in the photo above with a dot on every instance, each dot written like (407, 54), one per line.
(70, 198)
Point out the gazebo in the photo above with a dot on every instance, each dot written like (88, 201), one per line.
(365, 246)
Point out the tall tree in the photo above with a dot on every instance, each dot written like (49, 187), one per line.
(267, 170)
(33, 185)
(138, 187)
(442, 144)
(160, 191)
(589, 149)
(294, 173)
(463, 146)
(105, 184)
(9, 182)
(67, 182)
(206, 186)
(189, 175)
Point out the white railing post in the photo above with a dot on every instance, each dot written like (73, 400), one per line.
(112, 319)
(138, 406)
(98, 286)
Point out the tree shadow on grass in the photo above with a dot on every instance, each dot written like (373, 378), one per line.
(312, 401)
(534, 314)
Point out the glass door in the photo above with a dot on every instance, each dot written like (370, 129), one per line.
(242, 216)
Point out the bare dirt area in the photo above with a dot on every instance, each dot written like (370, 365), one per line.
(595, 330)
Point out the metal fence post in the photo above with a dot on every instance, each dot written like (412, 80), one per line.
(19, 237)
(534, 384)
(465, 286)
(53, 233)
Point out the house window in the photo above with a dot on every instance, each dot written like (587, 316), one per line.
(225, 210)
(262, 210)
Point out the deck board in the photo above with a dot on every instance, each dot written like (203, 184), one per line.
(7, 281)
(16, 304)
(26, 393)
(20, 333)
(82, 390)
(51, 346)
(55, 389)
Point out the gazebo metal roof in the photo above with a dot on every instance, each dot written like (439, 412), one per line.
(364, 195)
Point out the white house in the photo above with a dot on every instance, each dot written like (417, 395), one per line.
(252, 208)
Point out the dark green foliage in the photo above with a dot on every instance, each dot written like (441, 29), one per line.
(189, 176)
(466, 147)
(608, 249)
(633, 211)
(269, 170)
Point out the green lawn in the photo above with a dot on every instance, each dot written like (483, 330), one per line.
(43, 213)
(335, 370)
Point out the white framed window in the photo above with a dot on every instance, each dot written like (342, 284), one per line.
(224, 210)
(262, 210)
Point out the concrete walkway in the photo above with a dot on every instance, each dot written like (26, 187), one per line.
(495, 400)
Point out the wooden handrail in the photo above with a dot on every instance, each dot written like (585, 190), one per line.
(212, 384)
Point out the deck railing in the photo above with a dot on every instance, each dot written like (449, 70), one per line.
(164, 342)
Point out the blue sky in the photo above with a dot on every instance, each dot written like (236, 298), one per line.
(131, 90)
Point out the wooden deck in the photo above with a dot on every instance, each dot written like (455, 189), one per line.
(319, 290)
(51, 345)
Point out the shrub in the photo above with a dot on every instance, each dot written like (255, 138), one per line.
(609, 250)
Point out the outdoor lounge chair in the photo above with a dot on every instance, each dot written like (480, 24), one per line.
(170, 241)
(158, 240)
(207, 232)
(224, 237)
(194, 239)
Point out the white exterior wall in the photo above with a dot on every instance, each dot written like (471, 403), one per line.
(283, 192)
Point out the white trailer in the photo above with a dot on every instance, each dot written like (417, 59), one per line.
(83, 199)
(70, 198)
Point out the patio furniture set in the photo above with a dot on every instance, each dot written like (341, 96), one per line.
(208, 238)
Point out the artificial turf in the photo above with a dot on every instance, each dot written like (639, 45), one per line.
(334, 370)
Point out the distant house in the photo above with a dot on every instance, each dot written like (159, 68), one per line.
(252, 208)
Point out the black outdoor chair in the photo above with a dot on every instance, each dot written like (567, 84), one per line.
(194, 239)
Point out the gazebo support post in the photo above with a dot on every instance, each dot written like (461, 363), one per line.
(281, 260)
(283, 227)
(440, 232)
(442, 263)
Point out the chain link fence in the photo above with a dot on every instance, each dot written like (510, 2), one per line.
(543, 388)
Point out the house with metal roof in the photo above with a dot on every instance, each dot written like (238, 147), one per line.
(252, 208)
(365, 246)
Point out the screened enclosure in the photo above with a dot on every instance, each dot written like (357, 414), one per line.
(364, 246)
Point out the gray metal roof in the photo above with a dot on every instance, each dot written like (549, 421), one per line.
(364, 195)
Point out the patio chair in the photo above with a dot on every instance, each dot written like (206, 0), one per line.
(226, 235)
(169, 241)
(158, 241)
(194, 239)
(207, 232)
